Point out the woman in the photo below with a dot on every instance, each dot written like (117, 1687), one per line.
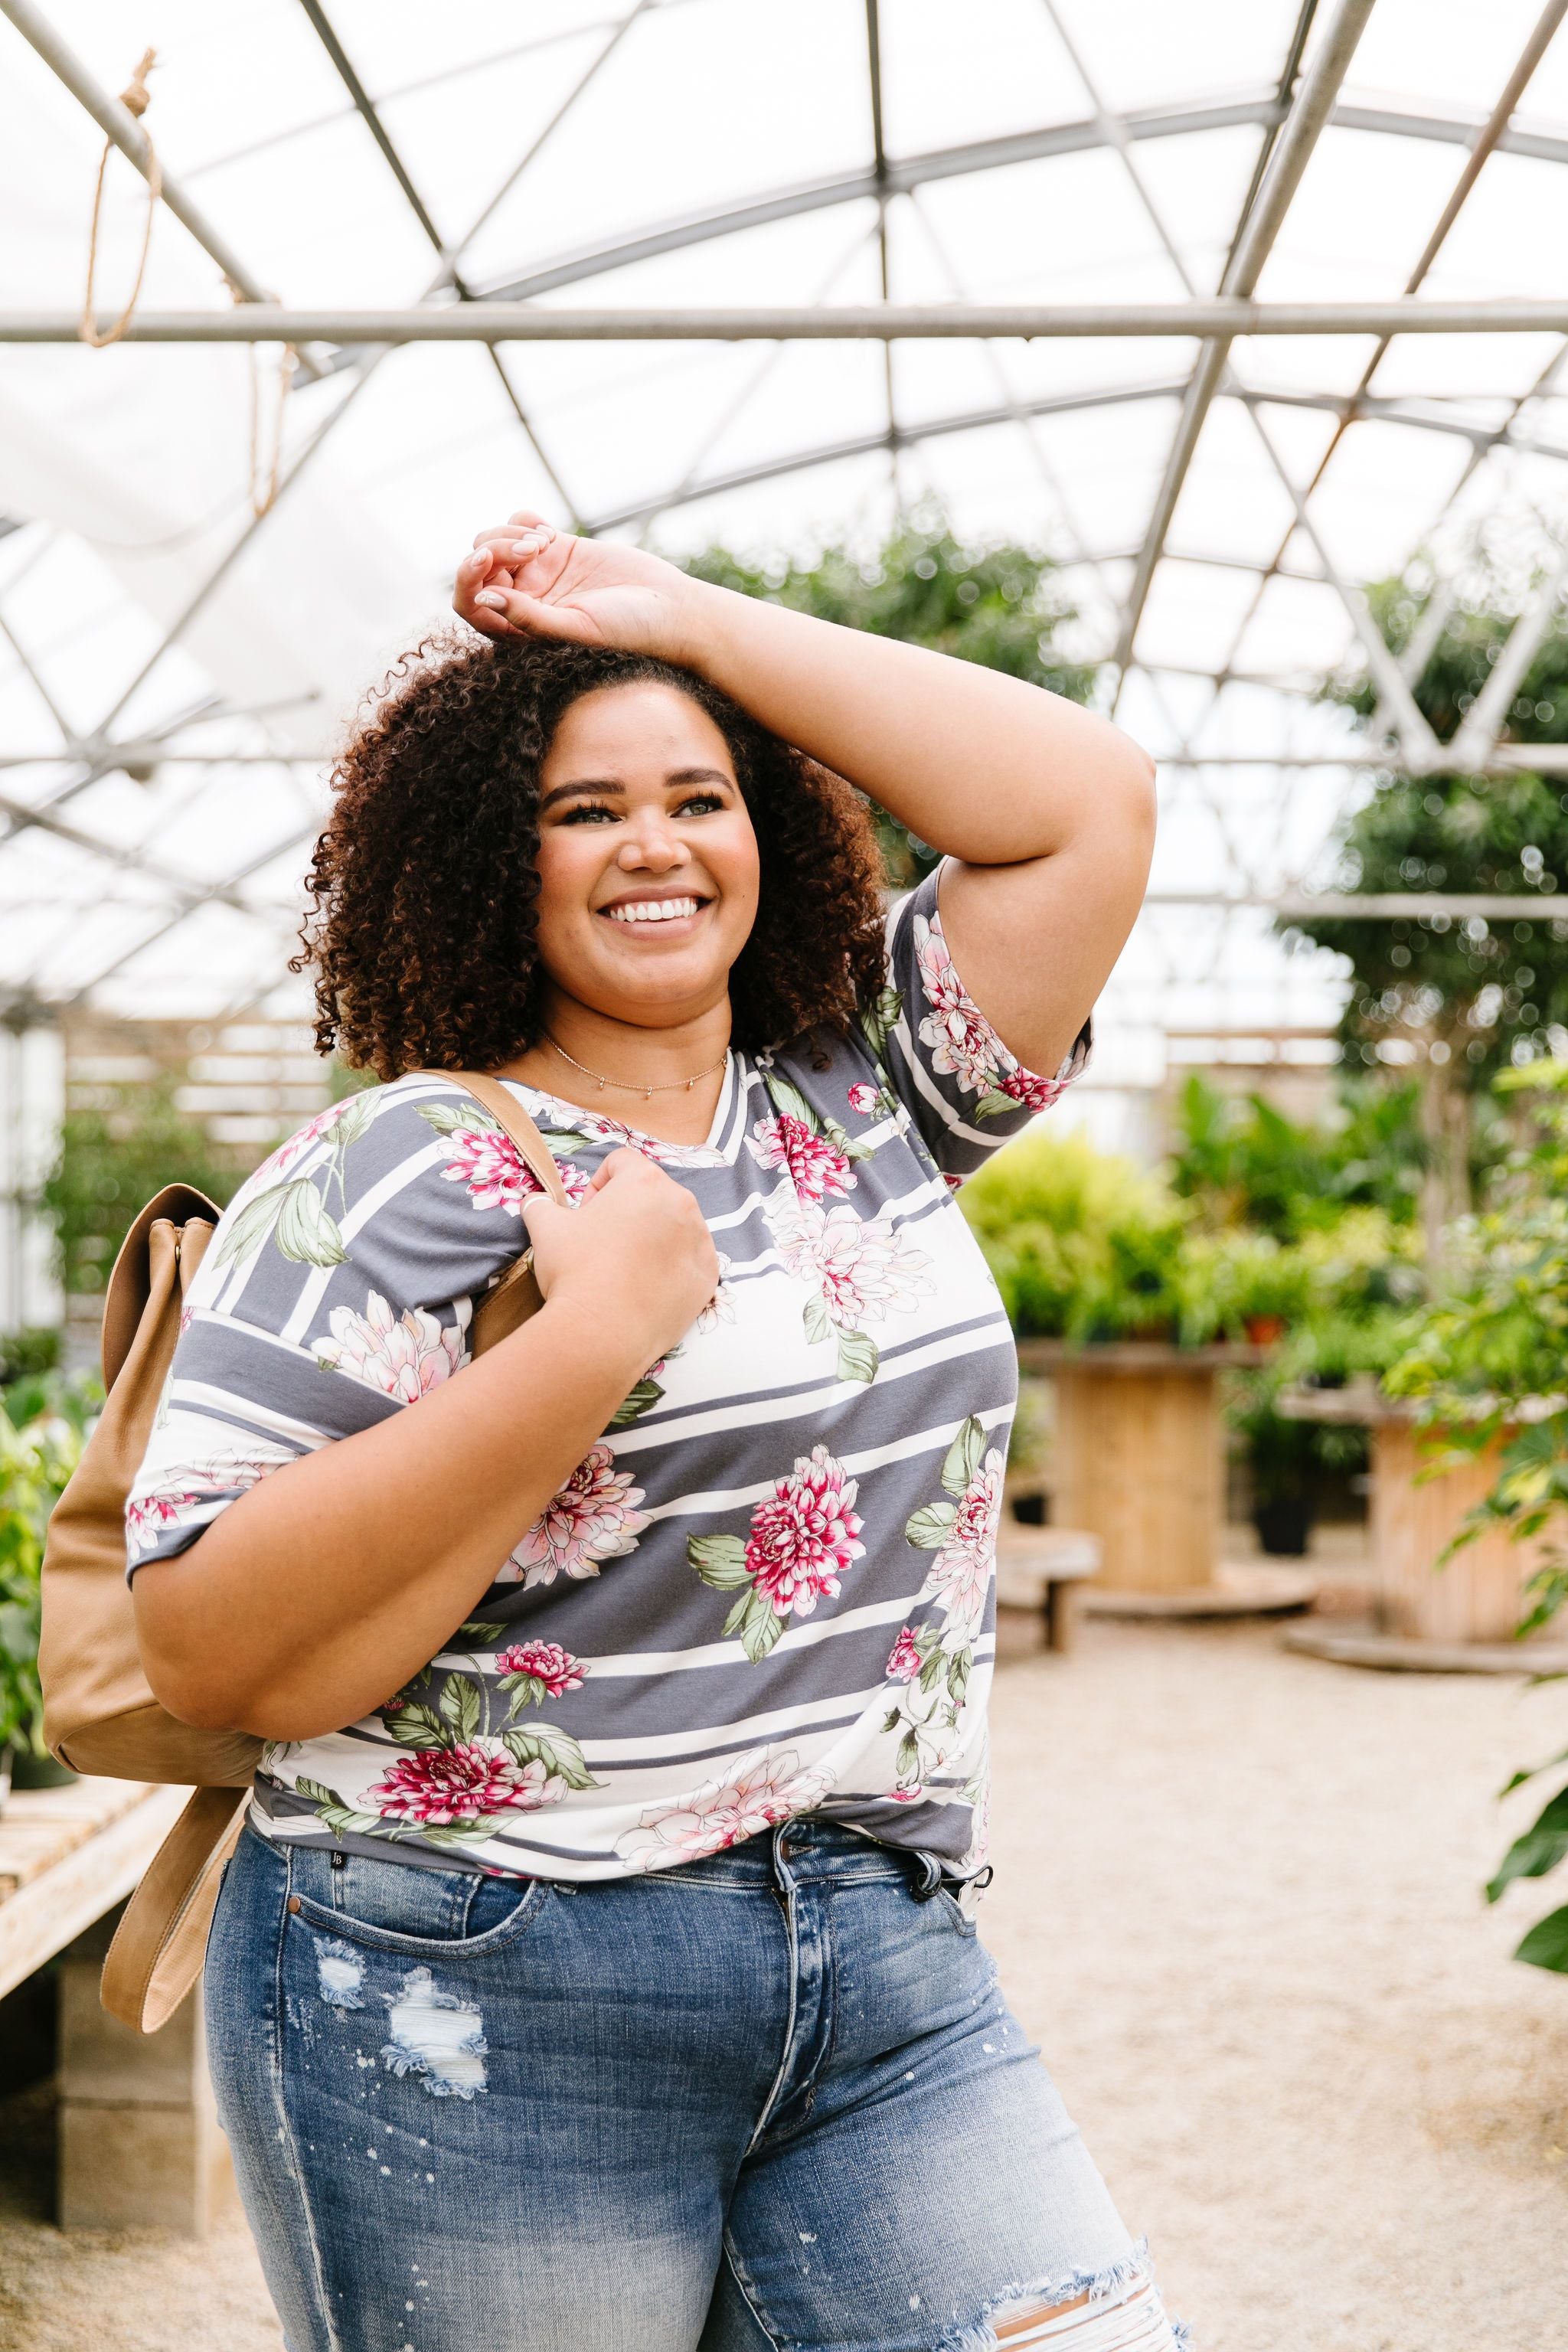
(596, 1967)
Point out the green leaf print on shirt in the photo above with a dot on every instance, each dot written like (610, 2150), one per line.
(720, 1560)
(934, 1662)
(879, 1019)
(305, 1232)
(294, 1215)
(642, 1399)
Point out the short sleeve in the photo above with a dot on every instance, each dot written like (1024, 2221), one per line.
(338, 1288)
(965, 1092)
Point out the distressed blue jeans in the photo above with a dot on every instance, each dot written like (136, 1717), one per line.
(770, 2098)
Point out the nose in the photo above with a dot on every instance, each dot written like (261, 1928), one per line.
(652, 846)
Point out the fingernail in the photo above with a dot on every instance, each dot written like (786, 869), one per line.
(491, 599)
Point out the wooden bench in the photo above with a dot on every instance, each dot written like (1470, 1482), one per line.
(1042, 1568)
(139, 2138)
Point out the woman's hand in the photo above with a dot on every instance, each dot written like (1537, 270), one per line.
(525, 579)
(634, 1257)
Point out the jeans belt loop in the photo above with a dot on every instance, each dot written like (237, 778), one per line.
(929, 1883)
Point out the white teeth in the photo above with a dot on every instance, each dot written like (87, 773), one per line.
(652, 910)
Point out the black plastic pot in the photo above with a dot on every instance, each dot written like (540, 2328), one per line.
(1284, 1525)
(31, 1772)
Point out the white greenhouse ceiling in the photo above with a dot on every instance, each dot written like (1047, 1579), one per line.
(175, 668)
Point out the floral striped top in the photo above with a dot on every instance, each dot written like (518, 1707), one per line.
(768, 1588)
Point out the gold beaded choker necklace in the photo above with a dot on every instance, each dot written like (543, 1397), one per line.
(669, 1085)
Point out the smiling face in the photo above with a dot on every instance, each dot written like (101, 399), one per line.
(647, 864)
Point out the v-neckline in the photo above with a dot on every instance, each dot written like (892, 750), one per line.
(711, 1150)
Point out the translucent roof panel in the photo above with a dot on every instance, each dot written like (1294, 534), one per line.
(175, 666)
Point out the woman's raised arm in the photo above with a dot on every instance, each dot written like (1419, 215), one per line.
(1046, 808)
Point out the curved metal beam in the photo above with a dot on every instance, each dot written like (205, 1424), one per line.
(1379, 411)
(911, 171)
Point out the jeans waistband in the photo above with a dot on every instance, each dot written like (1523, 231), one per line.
(810, 1847)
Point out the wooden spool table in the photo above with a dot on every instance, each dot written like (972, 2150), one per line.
(1457, 1617)
(139, 2138)
(1139, 1461)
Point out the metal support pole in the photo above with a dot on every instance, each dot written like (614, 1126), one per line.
(1484, 722)
(1300, 134)
(1218, 320)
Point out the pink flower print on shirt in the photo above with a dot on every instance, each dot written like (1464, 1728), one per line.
(404, 1356)
(463, 1787)
(496, 1173)
(963, 1043)
(866, 1270)
(803, 1539)
(760, 1790)
(312, 1133)
(959, 1575)
(720, 1308)
(546, 1664)
(184, 1494)
(903, 1660)
(813, 1165)
(865, 1099)
(593, 1517)
(1034, 1093)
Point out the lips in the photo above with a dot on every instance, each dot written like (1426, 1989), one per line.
(637, 914)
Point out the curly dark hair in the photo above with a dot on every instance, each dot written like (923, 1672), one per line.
(421, 934)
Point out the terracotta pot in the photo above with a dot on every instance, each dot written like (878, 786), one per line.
(1264, 1330)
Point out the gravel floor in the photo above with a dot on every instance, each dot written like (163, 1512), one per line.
(1237, 1901)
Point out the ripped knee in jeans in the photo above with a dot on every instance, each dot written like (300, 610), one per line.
(1117, 2310)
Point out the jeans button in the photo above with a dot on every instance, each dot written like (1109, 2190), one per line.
(787, 1851)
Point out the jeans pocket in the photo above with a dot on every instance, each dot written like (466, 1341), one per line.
(955, 1911)
(402, 1906)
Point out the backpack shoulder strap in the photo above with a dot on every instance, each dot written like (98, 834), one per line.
(513, 1119)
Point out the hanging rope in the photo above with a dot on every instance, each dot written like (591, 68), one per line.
(263, 471)
(134, 97)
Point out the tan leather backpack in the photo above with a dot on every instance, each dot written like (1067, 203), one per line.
(99, 1715)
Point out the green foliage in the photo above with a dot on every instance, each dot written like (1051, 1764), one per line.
(1487, 1360)
(1540, 1850)
(25, 1353)
(42, 1425)
(1083, 1246)
(1243, 1161)
(1483, 994)
(997, 604)
(111, 1162)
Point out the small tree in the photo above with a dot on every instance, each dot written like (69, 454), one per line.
(1458, 999)
(113, 1158)
(998, 604)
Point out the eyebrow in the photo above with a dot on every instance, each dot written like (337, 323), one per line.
(610, 789)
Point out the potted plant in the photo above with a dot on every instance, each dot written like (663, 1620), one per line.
(1084, 1246)
(1239, 1284)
